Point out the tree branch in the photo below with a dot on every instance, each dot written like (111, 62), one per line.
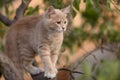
(8, 69)
(21, 9)
(5, 20)
(19, 13)
(118, 2)
(66, 71)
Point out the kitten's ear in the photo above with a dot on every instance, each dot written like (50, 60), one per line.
(66, 10)
(50, 11)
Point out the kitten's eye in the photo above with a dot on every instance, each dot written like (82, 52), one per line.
(65, 22)
(58, 22)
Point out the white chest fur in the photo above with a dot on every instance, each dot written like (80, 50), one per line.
(56, 41)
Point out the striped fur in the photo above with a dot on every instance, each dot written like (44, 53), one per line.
(37, 35)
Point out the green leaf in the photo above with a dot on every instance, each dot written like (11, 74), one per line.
(87, 70)
(5, 2)
(76, 4)
(1, 3)
(109, 70)
(91, 14)
(32, 10)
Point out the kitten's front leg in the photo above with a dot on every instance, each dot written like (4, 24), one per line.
(48, 66)
(54, 58)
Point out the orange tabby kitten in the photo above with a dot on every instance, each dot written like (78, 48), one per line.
(37, 35)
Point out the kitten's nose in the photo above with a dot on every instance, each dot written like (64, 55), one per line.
(63, 28)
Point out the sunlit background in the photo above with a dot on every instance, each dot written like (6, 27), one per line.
(92, 46)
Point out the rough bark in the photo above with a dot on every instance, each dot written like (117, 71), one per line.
(19, 13)
(8, 69)
(5, 20)
(21, 9)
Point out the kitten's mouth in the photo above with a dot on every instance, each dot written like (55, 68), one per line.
(61, 30)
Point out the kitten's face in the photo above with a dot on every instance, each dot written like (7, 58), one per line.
(56, 19)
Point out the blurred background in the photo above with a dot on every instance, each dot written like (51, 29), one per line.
(92, 46)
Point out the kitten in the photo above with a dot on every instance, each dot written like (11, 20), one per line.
(37, 35)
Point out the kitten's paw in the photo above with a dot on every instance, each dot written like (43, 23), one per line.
(35, 71)
(50, 74)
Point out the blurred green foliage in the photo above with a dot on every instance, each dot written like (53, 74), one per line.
(32, 11)
(107, 70)
(91, 16)
(92, 13)
(76, 4)
(3, 3)
(57, 4)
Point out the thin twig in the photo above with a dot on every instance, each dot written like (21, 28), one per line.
(65, 69)
(115, 6)
(118, 2)
(88, 53)
(70, 72)
(77, 72)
